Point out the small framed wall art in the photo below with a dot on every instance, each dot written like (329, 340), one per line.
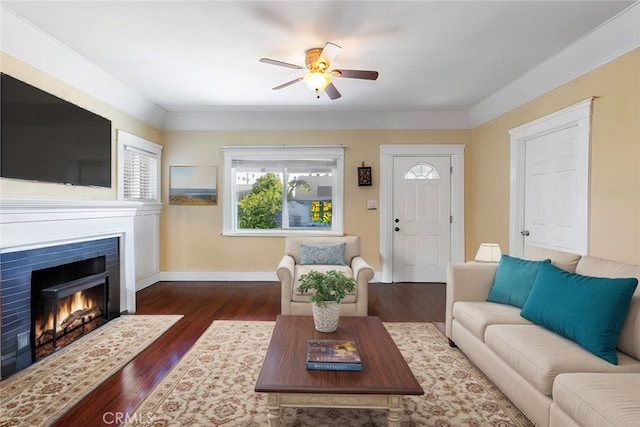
(364, 175)
(193, 185)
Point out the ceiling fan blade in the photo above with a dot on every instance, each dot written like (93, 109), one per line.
(332, 92)
(329, 52)
(356, 74)
(288, 83)
(281, 64)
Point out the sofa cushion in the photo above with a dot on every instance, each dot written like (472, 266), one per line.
(629, 341)
(539, 355)
(326, 253)
(565, 260)
(593, 399)
(476, 316)
(513, 280)
(588, 310)
(292, 245)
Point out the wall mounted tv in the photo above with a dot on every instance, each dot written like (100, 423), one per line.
(45, 138)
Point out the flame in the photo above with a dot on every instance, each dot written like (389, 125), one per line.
(66, 307)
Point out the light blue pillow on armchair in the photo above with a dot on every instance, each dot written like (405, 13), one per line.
(585, 309)
(326, 253)
(514, 279)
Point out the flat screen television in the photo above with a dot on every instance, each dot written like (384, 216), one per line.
(45, 138)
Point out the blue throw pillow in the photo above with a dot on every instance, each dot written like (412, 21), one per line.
(587, 310)
(514, 279)
(328, 253)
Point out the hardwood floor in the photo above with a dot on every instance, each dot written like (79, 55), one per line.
(203, 302)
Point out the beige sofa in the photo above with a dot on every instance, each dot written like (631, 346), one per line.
(290, 269)
(553, 380)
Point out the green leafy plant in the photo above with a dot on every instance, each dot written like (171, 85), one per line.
(330, 286)
(260, 208)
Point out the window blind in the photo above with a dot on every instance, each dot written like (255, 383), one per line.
(140, 175)
(322, 164)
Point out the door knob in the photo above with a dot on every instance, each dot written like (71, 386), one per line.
(397, 229)
(397, 220)
(525, 232)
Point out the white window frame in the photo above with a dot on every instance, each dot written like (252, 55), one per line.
(281, 152)
(152, 149)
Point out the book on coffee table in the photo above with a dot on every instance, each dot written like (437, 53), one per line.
(333, 355)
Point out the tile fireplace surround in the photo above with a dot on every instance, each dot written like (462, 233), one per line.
(28, 224)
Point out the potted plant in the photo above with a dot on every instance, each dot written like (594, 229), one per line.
(329, 289)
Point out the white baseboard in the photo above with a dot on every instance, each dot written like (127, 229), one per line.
(227, 276)
(147, 281)
(220, 276)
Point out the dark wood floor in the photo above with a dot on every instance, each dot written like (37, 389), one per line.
(203, 302)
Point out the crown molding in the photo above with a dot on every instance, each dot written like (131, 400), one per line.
(319, 120)
(31, 45)
(614, 38)
(36, 48)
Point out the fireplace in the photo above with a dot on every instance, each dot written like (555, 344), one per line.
(33, 279)
(38, 234)
(67, 301)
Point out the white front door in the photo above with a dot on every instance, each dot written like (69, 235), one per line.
(421, 216)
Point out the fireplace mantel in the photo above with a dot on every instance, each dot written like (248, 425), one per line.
(30, 223)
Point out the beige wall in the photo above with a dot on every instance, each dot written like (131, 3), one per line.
(190, 237)
(120, 120)
(615, 161)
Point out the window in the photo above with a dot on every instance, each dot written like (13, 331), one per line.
(138, 168)
(283, 190)
(422, 171)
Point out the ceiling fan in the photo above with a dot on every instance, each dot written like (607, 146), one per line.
(317, 61)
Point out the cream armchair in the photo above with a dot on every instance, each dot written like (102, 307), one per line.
(291, 268)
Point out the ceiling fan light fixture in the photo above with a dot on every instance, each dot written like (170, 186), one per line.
(317, 80)
(318, 62)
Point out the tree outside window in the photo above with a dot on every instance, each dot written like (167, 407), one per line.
(293, 193)
(264, 207)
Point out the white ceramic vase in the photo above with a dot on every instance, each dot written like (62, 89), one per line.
(325, 317)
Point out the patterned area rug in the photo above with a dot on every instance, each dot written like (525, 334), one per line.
(214, 384)
(41, 393)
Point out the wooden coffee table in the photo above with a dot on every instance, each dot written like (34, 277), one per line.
(384, 379)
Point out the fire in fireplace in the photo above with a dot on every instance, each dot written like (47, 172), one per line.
(68, 301)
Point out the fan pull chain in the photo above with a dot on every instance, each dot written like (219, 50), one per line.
(317, 94)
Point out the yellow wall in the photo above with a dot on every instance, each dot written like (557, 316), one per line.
(120, 120)
(190, 235)
(614, 205)
(191, 239)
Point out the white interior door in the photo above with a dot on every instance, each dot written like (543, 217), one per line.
(550, 192)
(553, 196)
(421, 216)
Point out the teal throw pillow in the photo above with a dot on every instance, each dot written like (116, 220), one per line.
(587, 310)
(514, 279)
(328, 253)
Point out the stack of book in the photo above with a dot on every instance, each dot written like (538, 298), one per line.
(333, 355)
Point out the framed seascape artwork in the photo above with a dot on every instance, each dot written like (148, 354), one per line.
(193, 185)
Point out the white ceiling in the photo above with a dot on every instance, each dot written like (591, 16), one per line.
(196, 56)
